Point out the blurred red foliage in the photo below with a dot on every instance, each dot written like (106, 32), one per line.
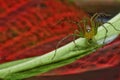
(29, 28)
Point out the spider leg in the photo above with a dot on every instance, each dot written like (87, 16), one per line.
(105, 34)
(113, 26)
(94, 16)
(76, 34)
(60, 43)
(101, 23)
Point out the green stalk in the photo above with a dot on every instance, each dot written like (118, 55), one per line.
(65, 55)
(42, 69)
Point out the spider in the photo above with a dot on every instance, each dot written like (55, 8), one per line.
(87, 28)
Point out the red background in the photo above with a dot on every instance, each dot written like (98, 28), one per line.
(30, 28)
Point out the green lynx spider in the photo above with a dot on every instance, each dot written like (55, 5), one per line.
(88, 30)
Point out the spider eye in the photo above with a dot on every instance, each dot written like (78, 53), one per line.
(88, 30)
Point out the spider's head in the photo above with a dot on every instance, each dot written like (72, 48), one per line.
(89, 32)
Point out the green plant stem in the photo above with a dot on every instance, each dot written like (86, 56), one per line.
(65, 54)
(42, 69)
